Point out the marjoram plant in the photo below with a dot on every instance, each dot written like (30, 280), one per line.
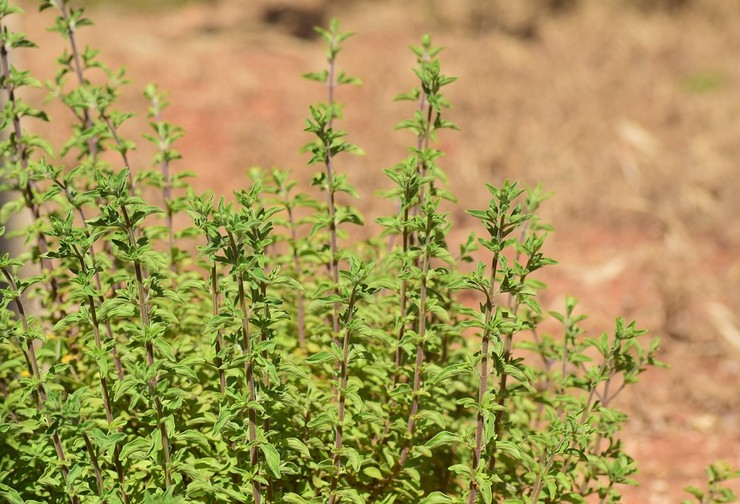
(258, 354)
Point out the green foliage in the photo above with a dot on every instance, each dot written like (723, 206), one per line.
(717, 475)
(259, 355)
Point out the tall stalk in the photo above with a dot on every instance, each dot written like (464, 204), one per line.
(70, 20)
(330, 189)
(500, 219)
(146, 321)
(483, 377)
(290, 202)
(70, 194)
(103, 380)
(36, 373)
(356, 290)
(165, 136)
(22, 154)
(215, 298)
(246, 347)
(341, 392)
(412, 178)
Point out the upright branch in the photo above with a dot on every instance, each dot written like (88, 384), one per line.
(408, 187)
(248, 234)
(206, 220)
(77, 200)
(283, 189)
(327, 145)
(27, 334)
(490, 314)
(419, 172)
(500, 219)
(529, 244)
(165, 136)
(125, 214)
(20, 146)
(76, 244)
(428, 118)
(355, 289)
(427, 232)
(67, 23)
(249, 375)
(146, 321)
(89, 97)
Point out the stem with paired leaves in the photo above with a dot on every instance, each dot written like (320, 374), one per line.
(246, 343)
(146, 321)
(327, 145)
(500, 220)
(11, 80)
(356, 289)
(103, 384)
(341, 391)
(36, 373)
(165, 135)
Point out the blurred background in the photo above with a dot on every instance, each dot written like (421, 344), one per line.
(628, 110)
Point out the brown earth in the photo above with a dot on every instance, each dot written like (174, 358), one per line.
(629, 114)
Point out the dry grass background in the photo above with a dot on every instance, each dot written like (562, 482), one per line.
(629, 110)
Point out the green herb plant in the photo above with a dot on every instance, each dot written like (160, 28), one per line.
(257, 353)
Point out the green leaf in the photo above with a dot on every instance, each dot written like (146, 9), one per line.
(353, 458)
(436, 498)
(293, 498)
(186, 371)
(443, 438)
(272, 457)
(10, 495)
(449, 372)
(696, 492)
(298, 445)
(320, 358)
(373, 472)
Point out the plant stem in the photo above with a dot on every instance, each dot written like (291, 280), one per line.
(483, 381)
(41, 392)
(62, 5)
(498, 421)
(87, 119)
(95, 464)
(416, 384)
(22, 153)
(537, 487)
(419, 347)
(96, 274)
(419, 143)
(300, 303)
(341, 391)
(103, 384)
(333, 257)
(404, 301)
(248, 371)
(167, 196)
(92, 146)
(398, 358)
(144, 311)
(407, 238)
(219, 336)
(265, 376)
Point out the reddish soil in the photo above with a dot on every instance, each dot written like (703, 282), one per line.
(631, 118)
